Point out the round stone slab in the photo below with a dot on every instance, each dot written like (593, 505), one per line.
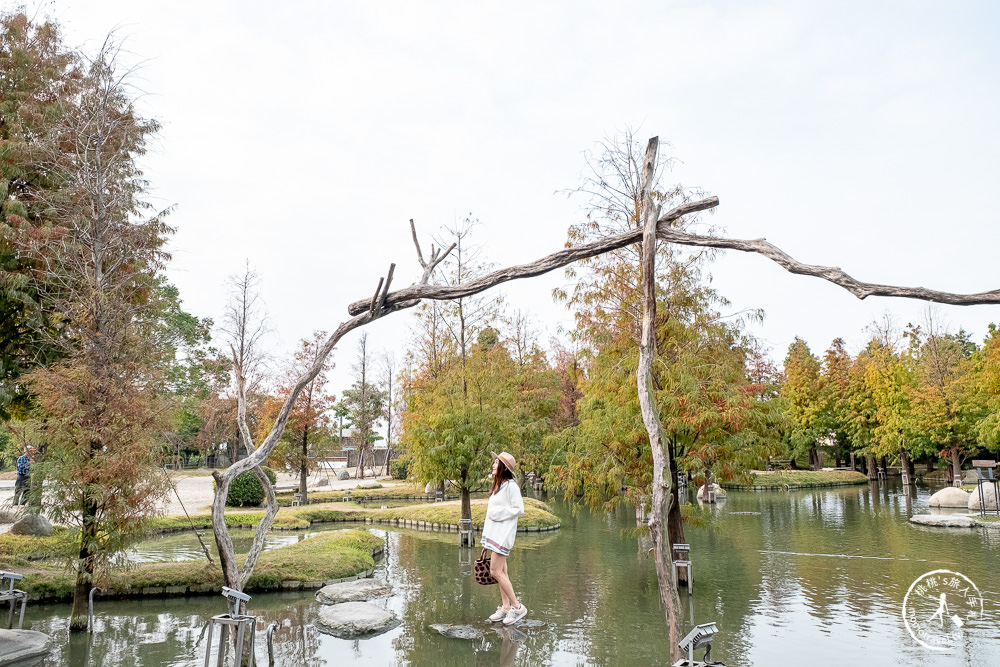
(944, 520)
(19, 646)
(457, 631)
(353, 591)
(354, 619)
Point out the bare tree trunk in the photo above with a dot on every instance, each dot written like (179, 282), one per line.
(662, 499)
(872, 468)
(956, 467)
(905, 467)
(304, 464)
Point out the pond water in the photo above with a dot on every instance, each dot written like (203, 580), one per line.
(813, 576)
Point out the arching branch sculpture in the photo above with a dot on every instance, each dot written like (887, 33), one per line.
(383, 302)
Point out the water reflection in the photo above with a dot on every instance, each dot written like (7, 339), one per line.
(810, 575)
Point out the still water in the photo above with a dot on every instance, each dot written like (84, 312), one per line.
(815, 577)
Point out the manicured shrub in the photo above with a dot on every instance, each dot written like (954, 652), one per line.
(399, 469)
(246, 491)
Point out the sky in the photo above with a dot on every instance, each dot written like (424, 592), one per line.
(302, 136)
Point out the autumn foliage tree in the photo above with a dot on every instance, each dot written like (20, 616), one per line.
(97, 251)
(309, 425)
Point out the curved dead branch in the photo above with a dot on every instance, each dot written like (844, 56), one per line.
(832, 274)
(532, 269)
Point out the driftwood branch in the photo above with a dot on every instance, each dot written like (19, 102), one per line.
(660, 510)
(536, 268)
(385, 289)
(831, 274)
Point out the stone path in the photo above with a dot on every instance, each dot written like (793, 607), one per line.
(953, 521)
(353, 591)
(351, 620)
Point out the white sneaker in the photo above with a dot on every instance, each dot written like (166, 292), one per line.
(515, 615)
(498, 615)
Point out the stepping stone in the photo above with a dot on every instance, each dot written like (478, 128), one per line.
(20, 646)
(944, 520)
(351, 620)
(457, 631)
(353, 591)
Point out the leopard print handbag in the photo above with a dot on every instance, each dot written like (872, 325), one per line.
(481, 570)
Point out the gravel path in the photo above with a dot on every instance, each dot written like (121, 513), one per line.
(195, 488)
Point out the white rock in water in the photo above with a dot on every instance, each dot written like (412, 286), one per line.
(989, 496)
(353, 591)
(354, 619)
(22, 645)
(457, 631)
(944, 520)
(703, 494)
(950, 496)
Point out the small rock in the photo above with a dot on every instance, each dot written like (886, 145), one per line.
(20, 646)
(354, 619)
(352, 591)
(369, 485)
(458, 631)
(950, 496)
(343, 474)
(944, 520)
(32, 524)
(323, 482)
(989, 496)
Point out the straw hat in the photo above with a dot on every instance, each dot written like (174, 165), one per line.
(507, 459)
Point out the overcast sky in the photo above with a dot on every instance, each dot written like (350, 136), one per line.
(304, 135)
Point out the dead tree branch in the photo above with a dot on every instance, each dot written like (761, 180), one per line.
(662, 496)
(536, 268)
(831, 274)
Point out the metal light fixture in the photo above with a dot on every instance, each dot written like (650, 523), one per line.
(700, 637)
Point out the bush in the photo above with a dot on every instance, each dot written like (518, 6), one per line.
(399, 469)
(246, 491)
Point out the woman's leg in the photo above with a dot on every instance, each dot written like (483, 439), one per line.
(498, 568)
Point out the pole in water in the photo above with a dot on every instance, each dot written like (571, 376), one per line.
(90, 617)
(270, 643)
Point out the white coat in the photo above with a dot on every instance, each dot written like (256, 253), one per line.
(502, 511)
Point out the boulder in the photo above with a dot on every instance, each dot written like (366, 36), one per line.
(458, 631)
(369, 485)
(20, 646)
(989, 498)
(354, 619)
(719, 492)
(353, 591)
(950, 496)
(32, 524)
(343, 474)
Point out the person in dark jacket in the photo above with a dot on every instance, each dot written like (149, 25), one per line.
(23, 481)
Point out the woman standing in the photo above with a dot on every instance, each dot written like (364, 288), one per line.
(499, 532)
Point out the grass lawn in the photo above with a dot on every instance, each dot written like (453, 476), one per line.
(324, 557)
(803, 479)
(402, 490)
